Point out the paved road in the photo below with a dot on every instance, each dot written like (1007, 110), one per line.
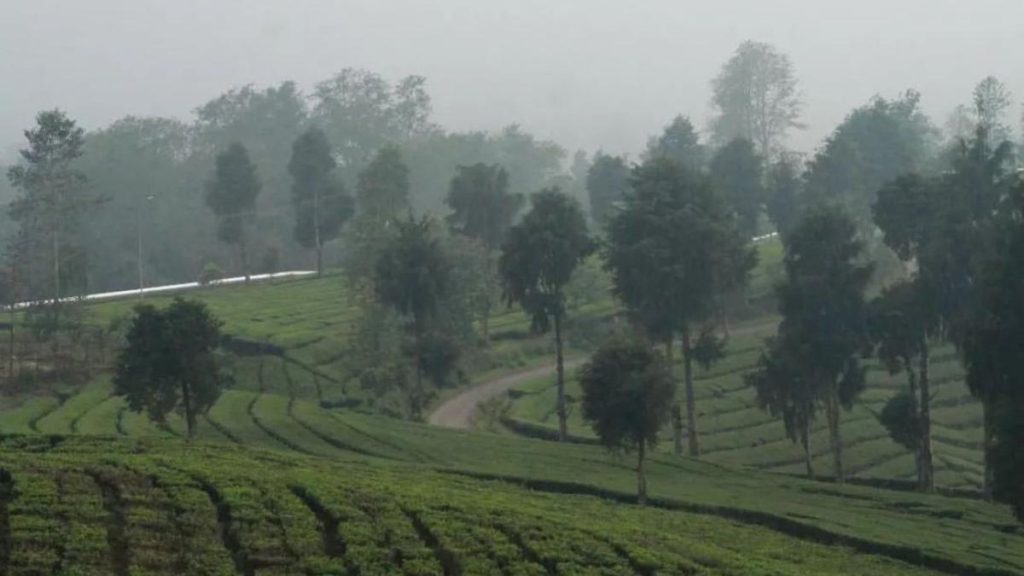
(458, 412)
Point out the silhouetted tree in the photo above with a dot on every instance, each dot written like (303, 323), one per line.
(537, 261)
(482, 207)
(671, 249)
(680, 143)
(231, 195)
(783, 192)
(382, 194)
(824, 323)
(169, 362)
(627, 391)
(607, 183)
(413, 278)
(737, 171)
(755, 97)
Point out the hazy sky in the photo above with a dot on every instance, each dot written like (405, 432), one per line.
(586, 73)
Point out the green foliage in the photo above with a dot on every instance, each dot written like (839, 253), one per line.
(541, 253)
(680, 143)
(231, 195)
(321, 202)
(664, 288)
(607, 184)
(382, 193)
(482, 207)
(824, 318)
(900, 418)
(736, 170)
(875, 143)
(211, 272)
(783, 193)
(169, 361)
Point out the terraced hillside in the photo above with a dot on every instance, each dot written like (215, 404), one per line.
(115, 507)
(951, 534)
(735, 431)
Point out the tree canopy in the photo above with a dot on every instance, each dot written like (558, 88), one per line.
(481, 204)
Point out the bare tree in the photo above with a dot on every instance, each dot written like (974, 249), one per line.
(755, 97)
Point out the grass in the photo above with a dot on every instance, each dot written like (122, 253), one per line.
(162, 507)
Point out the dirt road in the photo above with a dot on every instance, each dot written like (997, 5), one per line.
(458, 412)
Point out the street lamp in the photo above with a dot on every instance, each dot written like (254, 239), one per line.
(138, 230)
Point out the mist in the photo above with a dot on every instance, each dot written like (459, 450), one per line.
(588, 75)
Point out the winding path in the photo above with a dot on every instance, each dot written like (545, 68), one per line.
(458, 411)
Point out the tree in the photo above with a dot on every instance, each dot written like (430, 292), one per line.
(607, 183)
(874, 144)
(53, 194)
(231, 195)
(824, 322)
(737, 171)
(537, 261)
(361, 112)
(783, 193)
(413, 278)
(322, 204)
(992, 102)
(901, 323)
(993, 346)
(170, 363)
(786, 390)
(680, 143)
(382, 193)
(755, 97)
(671, 249)
(482, 207)
(627, 391)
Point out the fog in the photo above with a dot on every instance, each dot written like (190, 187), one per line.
(587, 74)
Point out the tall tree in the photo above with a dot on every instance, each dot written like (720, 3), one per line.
(607, 183)
(321, 202)
(482, 207)
(738, 172)
(786, 389)
(627, 391)
(361, 112)
(783, 192)
(874, 144)
(755, 97)
(824, 323)
(901, 324)
(679, 142)
(169, 361)
(231, 195)
(413, 278)
(992, 104)
(670, 250)
(382, 192)
(537, 261)
(53, 193)
(993, 346)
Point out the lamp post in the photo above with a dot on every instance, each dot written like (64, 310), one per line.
(138, 229)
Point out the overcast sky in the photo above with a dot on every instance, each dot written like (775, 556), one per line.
(585, 73)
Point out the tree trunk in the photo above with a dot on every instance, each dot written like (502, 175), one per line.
(987, 425)
(641, 476)
(835, 438)
(316, 234)
(916, 412)
(927, 467)
(243, 255)
(560, 409)
(56, 268)
(677, 411)
(691, 401)
(190, 416)
(805, 440)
